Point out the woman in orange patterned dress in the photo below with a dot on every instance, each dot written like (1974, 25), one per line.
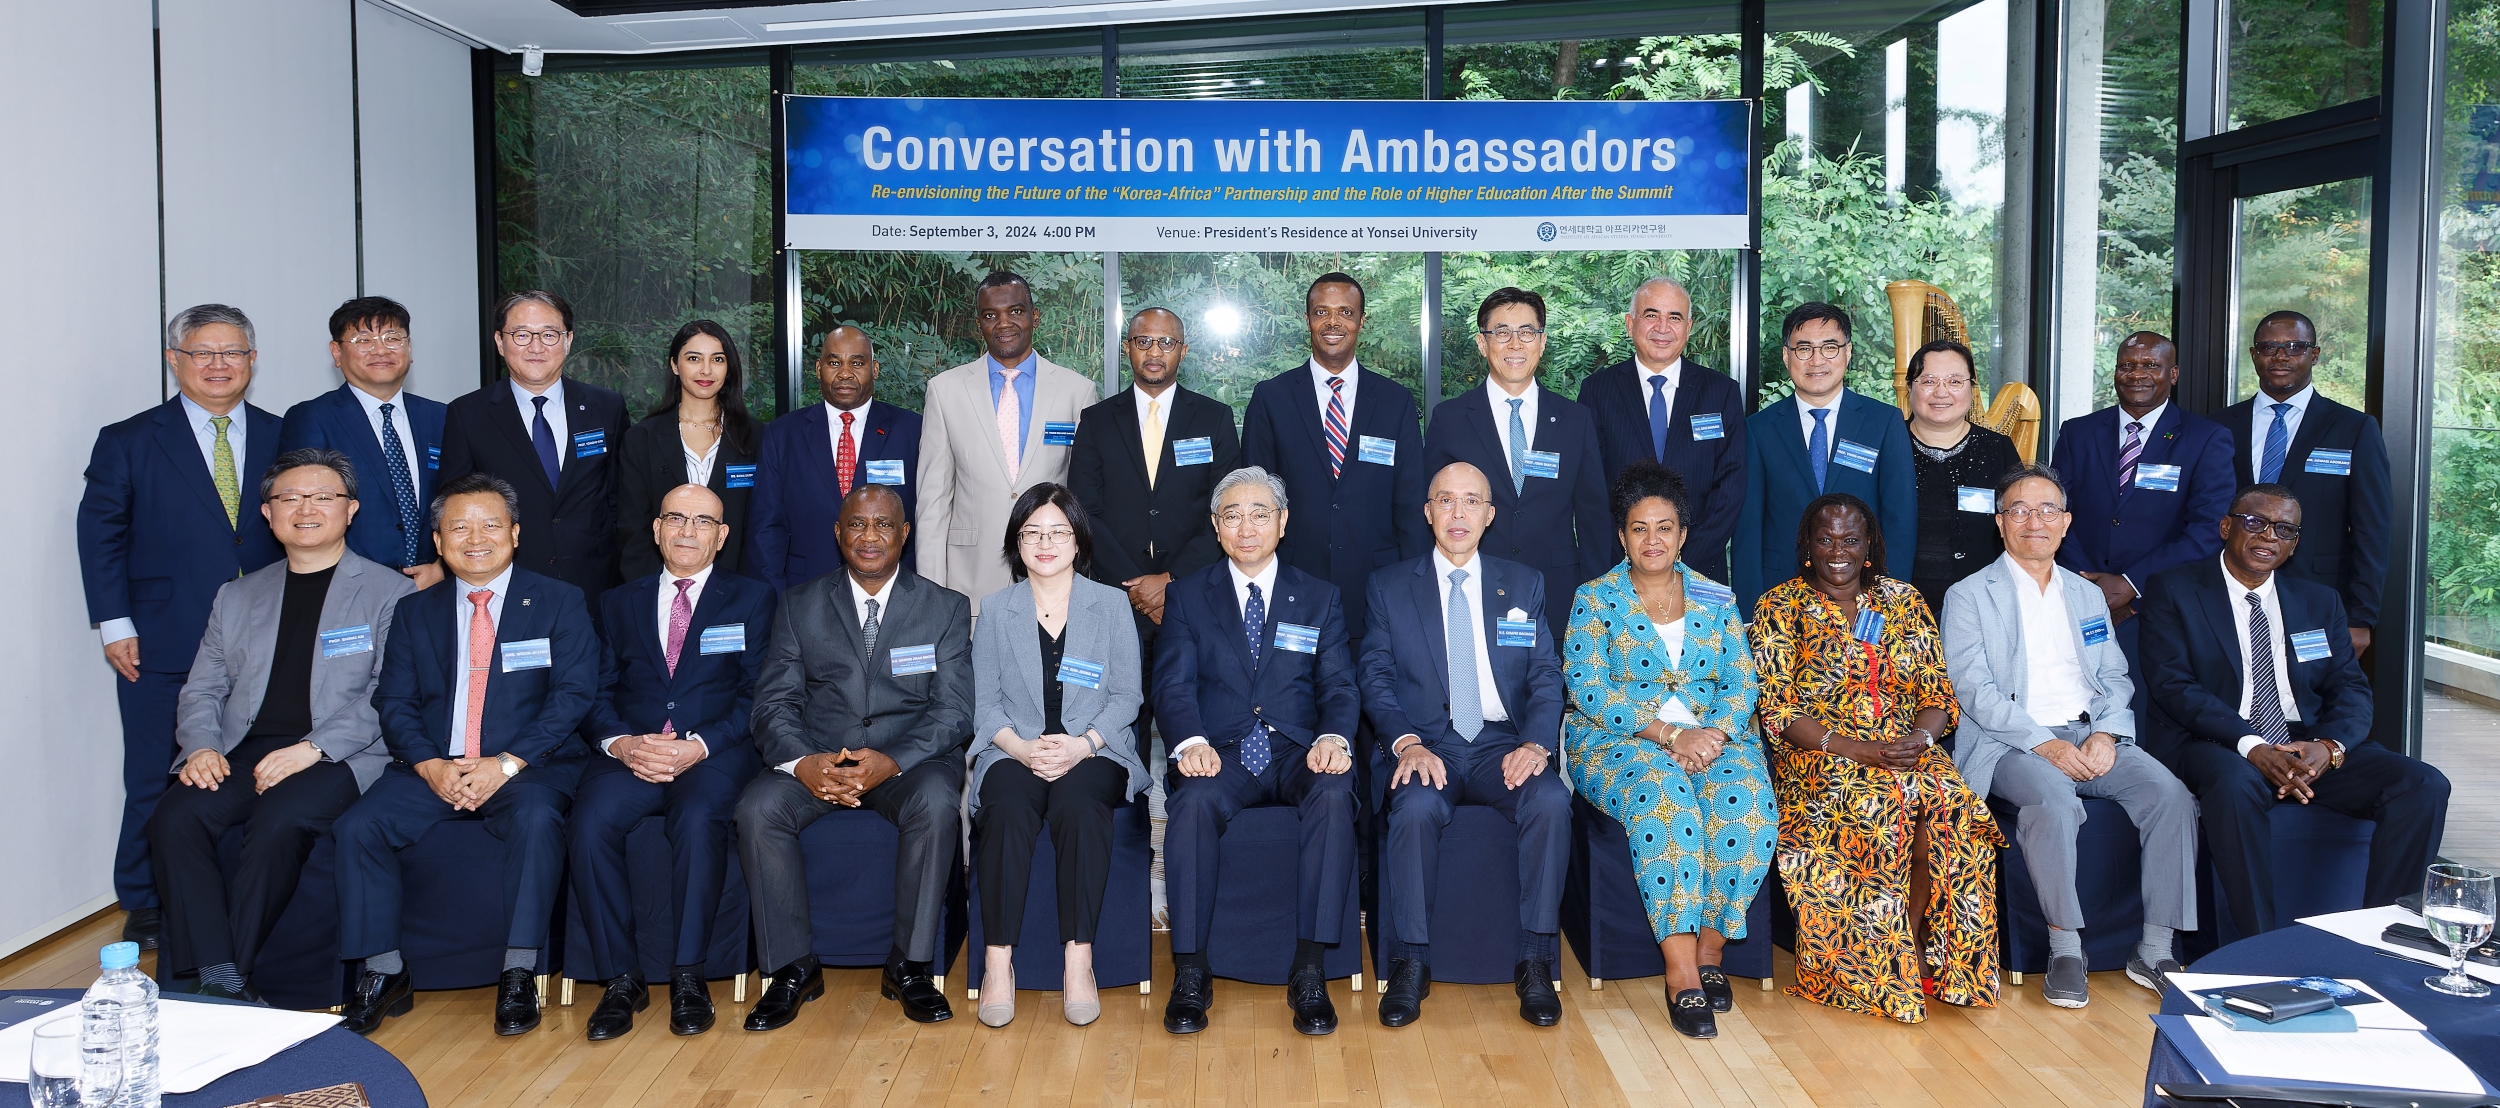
(1888, 858)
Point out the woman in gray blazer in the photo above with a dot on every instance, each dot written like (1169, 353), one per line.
(1056, 688)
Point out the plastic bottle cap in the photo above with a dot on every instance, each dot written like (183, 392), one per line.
(121, 955)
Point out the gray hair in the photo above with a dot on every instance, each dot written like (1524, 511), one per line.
(2022, 473)
(188, 321)
(1244, 476)
(1661, 279)
(470, 484)
(320, 456)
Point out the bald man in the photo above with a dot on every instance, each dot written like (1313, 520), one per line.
(815, 456)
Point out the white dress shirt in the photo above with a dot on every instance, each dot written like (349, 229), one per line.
(2270, 599)
(667, 601)
(1501, 415)
(859, 426)
(859, 609)
(1673, 372)
(2150, 420)
(1319, 387)
(1831, 423)
(1173, 391)
(699, 466)
(115, 630)
(1266, 580)
(555, 414)
(2261, 421)
(2053, 668)
(460, 610)
(398, 400)
(1471, 592)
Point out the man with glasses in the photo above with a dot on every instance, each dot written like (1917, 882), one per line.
(2329, 455)
(813, 458)
(393, 436)
(1663, 407)
(552, 438)
(1821, 439)
(2258, 698)
(679, 654)
(161, 527)
(1549, 498)
(2046, 722)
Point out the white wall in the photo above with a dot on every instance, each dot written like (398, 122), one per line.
(420, 183)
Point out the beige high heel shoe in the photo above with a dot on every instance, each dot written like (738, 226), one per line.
(1081, 1012)
(998, 998)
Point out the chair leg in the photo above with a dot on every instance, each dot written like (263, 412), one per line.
(542, 990)
(738, 988)
(1596, 983)
(972, 994)
(1146, 988)
(939, 980)
(564, 993)
(2014, 977)
(1769, 984)
(1357, 980)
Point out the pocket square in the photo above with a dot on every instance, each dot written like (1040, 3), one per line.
(1517, 613)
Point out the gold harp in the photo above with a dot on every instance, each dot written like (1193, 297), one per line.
(1921, 314)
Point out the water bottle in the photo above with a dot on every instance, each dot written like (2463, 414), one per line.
(117, 1035)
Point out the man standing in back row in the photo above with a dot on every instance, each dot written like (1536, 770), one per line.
(1821, 439)
(1662, 407)
(393, 437)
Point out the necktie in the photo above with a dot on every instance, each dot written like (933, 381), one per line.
(1153, 434)
(1819, 449)
(1518, 449)
(403, 485)
(481, 662)
(2265, 702)
(845, 455)
(2278, 442)
(680, 615)
(1336, 426)
(2128, 453)
(868, 631)
(229, 489)
(1658, 416)
(1010, 422)
(543, 437)
(1466, 702)
(1254, 749)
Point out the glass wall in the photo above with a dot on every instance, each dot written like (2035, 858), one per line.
(2308, 250)
(2118, 192)
(2294, 56)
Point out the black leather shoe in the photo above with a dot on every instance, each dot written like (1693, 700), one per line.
(1689, 1011)
(1410, 981)
(910, 983)
(1533, 980)
(376, 996)
(689, 1004)
(242, 994)
(516, 1002)
(615, 1014)
(1193, 992)
(783, 993)
(144, 927)
(1307, 993)
(1714, 985)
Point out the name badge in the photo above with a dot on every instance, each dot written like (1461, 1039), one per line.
(1542, 463)
(342, 641)
(1708, 427)
(909, 660)
(742, 477)
(1193, 452)
(1710, 593)
(433, 457)
(1055, 433)
(1855, 455)
(2333, 463)
(1297, 638)
(1078, 671)
(1379, 451)
(1870, 628)
(1968, 499)
(724, 638)
(1514, 632)
(2156, 478)
(2096, 630)
(527, 654)
(885, 471)
(2309, 646)
(590, 444)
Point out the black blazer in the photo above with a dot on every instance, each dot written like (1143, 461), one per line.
(2193, 666)
(530, 713)
(1713, 469)
(1204, 684)
(1559, 526)
(1345, 526)
(567, 532)
(2347, 520)
(711, 694)
(1141, 530)
(817, 695)
(653, 462)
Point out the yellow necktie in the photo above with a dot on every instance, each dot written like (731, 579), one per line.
(1154, 439)
(229, 489)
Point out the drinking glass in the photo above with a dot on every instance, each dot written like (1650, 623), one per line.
(52, 1067)
(2457, 908)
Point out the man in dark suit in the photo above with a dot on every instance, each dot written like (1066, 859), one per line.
(1476, 716)
(1252, 672)
(1662, 407)
(393, 437)
(2329, 455)
(484, 681)
(678, 660)
(1822, 438)
(1549, 501)
(813, 458)
(865, 701)
(163, 524)
(551, 438)
(2258, 698)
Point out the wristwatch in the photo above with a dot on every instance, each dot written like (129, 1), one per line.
(2334, 754)
(510, 764)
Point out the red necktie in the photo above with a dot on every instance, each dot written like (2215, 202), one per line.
(845, 455)
(481, 662)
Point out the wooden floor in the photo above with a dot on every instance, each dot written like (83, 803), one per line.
(1614, 1047)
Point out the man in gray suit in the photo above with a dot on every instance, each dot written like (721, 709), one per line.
(865, 701)
(275, 724)
(2046, 721)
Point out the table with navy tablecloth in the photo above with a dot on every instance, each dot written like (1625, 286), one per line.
(333, 1057)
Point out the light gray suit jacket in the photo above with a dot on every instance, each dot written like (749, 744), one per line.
(1007, 676)
(222, 696)
(1983, 654)
(961, 525)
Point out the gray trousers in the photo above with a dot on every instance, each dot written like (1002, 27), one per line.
(924, 803)
(2163, 810)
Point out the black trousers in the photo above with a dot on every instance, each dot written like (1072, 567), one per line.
(211, 916)
(1014, 805)
(2408, 800)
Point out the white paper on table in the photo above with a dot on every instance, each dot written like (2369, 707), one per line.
(196, 1042)
(2383, 1015)
(2366, 1057)
(2363, 925)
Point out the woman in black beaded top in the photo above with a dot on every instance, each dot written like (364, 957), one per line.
(1957, 463)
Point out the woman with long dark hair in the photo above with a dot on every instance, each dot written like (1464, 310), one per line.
(698, 434)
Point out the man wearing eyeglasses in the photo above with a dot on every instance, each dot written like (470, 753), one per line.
(1821, 438)
(2329, 455)
(161, 527)
(679, 654)
(1661, 406)
(2258, 698)
(393, 436)
(552, 438)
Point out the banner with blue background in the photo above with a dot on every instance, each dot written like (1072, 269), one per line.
(918, 173)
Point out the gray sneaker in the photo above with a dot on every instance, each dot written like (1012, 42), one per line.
(2150, 976)
(2067, 986)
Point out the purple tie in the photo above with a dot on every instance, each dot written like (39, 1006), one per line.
(2128, 453)
(680, 616)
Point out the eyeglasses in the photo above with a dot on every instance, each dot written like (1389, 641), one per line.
(322, 500)
(1818, 352)
(1153, 342)
(1943, 384)
(2280, 349)
(213, 357)
(387, 340)
(1056, 536)
(1260, 518)
(2025, 515)
(2260, 525)
(1505, 336)
(523, 337)
(679, 521)
(1469, 505)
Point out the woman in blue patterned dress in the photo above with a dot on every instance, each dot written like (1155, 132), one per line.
(1661, 736)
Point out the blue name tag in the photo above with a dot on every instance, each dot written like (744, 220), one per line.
(2096, 630)
(347, 640)
(1709, 593)
(1708, 427)
(742, 477)
(2333, 463)
(1193, 452)
(2156, 478)
(2309, 646)
(433, 457)
(1855, 455)
(1379, 451)
(1542, 463)
(1078, 671)
(1968, 499)
(909, 660)
(1055, 433)
(1514, 632)
(885, 471)
(590, 444)
(1297, 638)
(527, 654)
(725, 638)
(1870, 628)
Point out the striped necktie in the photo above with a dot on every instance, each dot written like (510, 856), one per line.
(2265, 702)
(2128, 453)
(1336, 427)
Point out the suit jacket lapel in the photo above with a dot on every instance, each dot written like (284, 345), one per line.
(1220, 598)
(182, 447)
(1495, 591)
(2217, 600)
(508, 415)
(1132, 433)
(365, 448)
(644, 613)
(1681, 407)
(1312, 425)
(1425, 597)
(1791, 440)
(1019, 613)
(1475, 415)
(2312, 427)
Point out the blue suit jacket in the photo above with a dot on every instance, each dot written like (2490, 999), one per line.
(1204, 683)
(2350, 518)
(531, 713)
(2139, 531)
(1342, 527)
(1409, 693)
(798, 501)
(336, 420)
(1560, 525)
(153, 542)
(1783, 484)
(2193, 664)
(710, 694)
(1713, 469)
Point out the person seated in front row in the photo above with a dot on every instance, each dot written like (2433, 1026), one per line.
(678, 665)
(1662, 738)
(1476, 715)
(1252, 671)
(485, 679)
(2046, 721)
(2257, 698)
(865, 701)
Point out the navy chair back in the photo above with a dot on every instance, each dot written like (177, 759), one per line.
(849, 857)
(2321, 858)
(1475, 921)
(650, 873)
(1257, 898)
(1124, 941)
(2109, 881)
(1603, 917)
